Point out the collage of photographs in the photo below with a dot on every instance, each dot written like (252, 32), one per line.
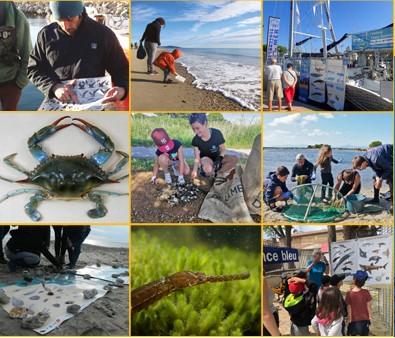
(196, 168)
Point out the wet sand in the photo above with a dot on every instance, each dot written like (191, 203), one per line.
(149, 93)
(108, 316)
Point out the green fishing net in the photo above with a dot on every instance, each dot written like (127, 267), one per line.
(315, 203)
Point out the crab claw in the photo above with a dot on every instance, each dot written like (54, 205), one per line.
(103, 154)
(39, 136)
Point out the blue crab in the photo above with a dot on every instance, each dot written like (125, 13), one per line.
(67, 176)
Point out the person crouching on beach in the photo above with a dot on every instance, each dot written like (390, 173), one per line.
(165, 61)
(275, 188)
(209, 148)
(350, 182)
(290, 79)
(169, 154)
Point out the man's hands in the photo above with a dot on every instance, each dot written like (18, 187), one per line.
(113, 95)
(64, 92)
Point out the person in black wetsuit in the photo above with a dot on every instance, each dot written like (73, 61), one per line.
(26, 245)
(209, 148)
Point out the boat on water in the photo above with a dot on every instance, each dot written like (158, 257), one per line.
(359, 78)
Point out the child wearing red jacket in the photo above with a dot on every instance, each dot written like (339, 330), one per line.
(165, 61)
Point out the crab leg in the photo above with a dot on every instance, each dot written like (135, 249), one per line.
(31, 207)
(18, 192)
(8, 160)
(100, 136)
(100, 210)
(120, 164)
(33, 142)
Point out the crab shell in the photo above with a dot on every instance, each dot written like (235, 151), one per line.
(68, 176)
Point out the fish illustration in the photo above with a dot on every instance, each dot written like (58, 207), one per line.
(381, 244)
(340, 74)
(348, 262)
(386, 253)
(344, 258)
(330, 78)
(319, 81)
(346, 250)
(339, 88)
(315, 75)
(375, 258)
(337, 98)
(362, 253)
(343, 246)
(329, 85)
(81, 85)
(331, 71)
(376, 251)
(91, 84)
(93, 93)
(346, 268)
(366, 245)
(371, 267)
(318, 69)
(319, 94)
(335, 259)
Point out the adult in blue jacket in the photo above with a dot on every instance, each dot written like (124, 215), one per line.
(381, 160)
(73, 47)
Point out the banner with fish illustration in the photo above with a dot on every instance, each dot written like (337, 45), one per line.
(89, 91)
(304, 80)
(336, 84)
(317, 80)
(370, 254)
(52, 297)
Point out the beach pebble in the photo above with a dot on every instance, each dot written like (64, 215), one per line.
(36, 321)
(108, 288)
(50, 293)
(4, 299)
(88, 294)
(98, 264)
(38, 272)
(115, 266)
(18, 312)
(120, 280)
(73, 309)
(87, 276)
(115, 275)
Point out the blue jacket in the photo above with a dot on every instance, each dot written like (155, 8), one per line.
(380, 159)
(270, 184)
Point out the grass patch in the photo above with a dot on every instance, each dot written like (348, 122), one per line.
(237, 136)
(219, 309)
(147, 164)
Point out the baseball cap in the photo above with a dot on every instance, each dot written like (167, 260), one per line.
(360, 274)
(162, 140)
(299, 157)
(335, 279)
(325, 279)
(66, 9)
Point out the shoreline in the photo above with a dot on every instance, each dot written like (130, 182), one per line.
(149, 93)
(107, 316)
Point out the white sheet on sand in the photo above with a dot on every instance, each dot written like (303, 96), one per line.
(89, 91)
(67, 289)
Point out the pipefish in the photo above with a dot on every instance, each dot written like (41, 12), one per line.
(150, 293)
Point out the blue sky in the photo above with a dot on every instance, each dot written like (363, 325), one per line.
(347, 17)
(224, 24)
(339, 130)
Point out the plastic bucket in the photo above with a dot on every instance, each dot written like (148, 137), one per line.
(355, 203)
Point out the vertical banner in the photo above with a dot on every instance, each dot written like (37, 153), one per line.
(317, 80)
(336, 84)
(304, 80)
(272, 37)
(370, 254)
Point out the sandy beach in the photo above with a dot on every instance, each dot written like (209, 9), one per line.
(383, 216)
(149, 93)
(107, 316)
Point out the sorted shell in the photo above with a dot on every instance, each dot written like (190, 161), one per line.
(50, 293)
(108, 288)
(73, 309)
(174, 194)
(36, 321)
(4, 299)
(88, 294)
(18, 312)
(115, 266)
(87, 276)
(119, 280)
(98, 264)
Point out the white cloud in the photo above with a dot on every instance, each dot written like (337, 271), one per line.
(140, 13)
(276, 135)
(250, 21)
(318, 132)
(220, 31)
(286, 120)
(327, 115)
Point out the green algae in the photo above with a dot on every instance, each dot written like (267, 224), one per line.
(218, 309)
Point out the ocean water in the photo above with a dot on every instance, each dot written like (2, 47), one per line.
(236, 73)
(273, 158)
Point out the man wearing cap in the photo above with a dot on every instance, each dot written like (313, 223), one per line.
(76, 46)
(302, 171)
(168, 154)
(359, 306)
(15, 47)
(316, 267)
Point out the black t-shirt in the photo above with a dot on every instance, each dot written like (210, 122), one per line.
(209, 148)
(173, 154)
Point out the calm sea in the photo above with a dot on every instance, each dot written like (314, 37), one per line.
(276, 157)
(233, 72)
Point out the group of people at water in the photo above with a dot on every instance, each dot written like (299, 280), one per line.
(348, 182)
(74, 46)
(28, 243)
(312, 297)
(210, 157)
